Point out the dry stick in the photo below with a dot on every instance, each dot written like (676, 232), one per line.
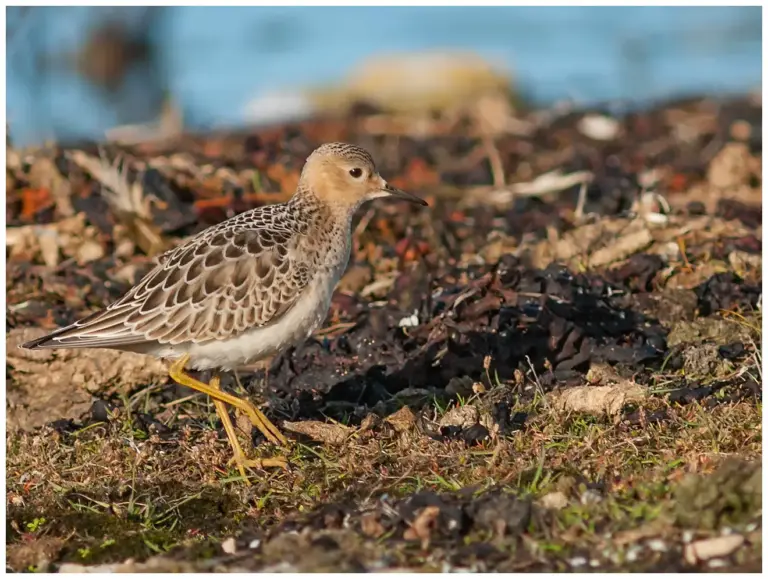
(579, 212)
(494, 157)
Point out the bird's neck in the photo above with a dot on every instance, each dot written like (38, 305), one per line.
(332, 215)
(328, 230)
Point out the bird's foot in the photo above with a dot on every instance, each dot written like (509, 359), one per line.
(261, 463)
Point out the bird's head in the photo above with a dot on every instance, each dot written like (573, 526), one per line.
(345, 175)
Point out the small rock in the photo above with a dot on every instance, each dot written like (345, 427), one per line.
(577, 561)
(328, 433)
(403, 420)
(555, 500)
(658, 545)
(730, 167)
(699, 330)
(229, 546)
(633, 552)
(461, 416)
(710, 548)
(599, 127)
(409, 321)
(601, 373)
(598, 399)
(90, 250)
(701, 360)
(49, 247)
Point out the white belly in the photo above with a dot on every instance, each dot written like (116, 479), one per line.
(295, 326)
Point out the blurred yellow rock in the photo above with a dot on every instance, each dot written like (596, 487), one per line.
(417, 82)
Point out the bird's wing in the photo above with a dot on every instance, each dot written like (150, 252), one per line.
(215, 286)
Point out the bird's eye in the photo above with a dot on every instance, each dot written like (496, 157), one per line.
(356, 172)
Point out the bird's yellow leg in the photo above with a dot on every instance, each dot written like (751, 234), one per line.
(239, 456)
(257, 417)
(221, 410)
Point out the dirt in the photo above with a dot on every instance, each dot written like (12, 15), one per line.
(62, 383)
(557, 367)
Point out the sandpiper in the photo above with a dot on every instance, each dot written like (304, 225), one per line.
(245, 289)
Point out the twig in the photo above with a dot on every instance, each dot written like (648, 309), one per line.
(494, 157)
(578, 214)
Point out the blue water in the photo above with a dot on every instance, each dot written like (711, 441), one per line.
(216, 60)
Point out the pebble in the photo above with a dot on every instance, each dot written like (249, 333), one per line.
(577, 561)
(89, 251)
(229, 546)
(633, 553)
(599, 127)
(409, 321)
(707, 549)
(554, 500)
(49, 247)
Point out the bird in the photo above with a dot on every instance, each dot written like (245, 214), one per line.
(243, 290)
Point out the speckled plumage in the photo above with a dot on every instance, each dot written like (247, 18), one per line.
(246, 288)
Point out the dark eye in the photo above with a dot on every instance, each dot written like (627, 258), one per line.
(356, 173)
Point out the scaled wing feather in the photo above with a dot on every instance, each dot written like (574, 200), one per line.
(217, 285)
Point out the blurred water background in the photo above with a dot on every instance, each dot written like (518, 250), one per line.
(73, 72)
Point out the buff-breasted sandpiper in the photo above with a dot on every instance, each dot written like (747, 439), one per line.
(245, 289)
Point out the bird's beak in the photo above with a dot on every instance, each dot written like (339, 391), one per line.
(399, 194)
